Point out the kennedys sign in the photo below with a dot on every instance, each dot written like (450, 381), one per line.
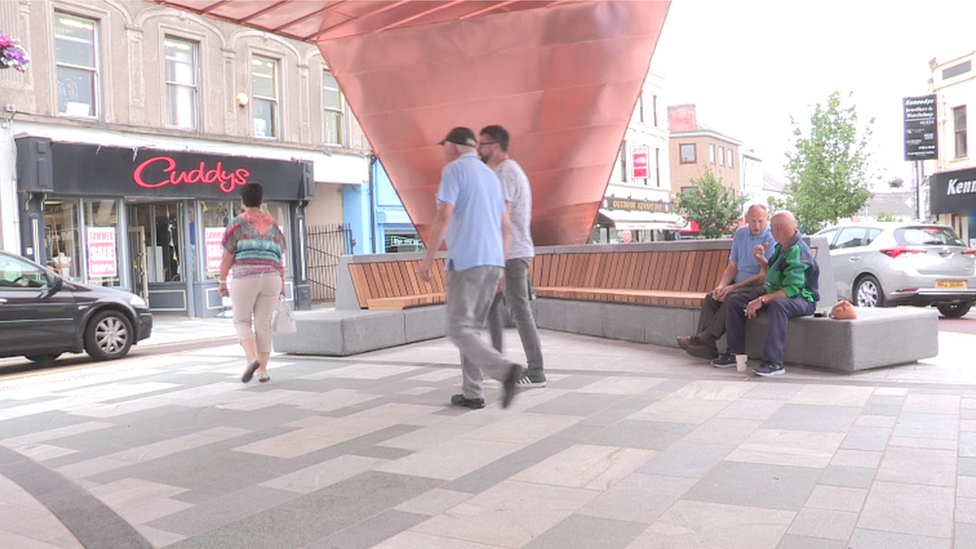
(954, 192)
(920, 125)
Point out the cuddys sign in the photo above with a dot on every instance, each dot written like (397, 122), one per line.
(226, 179)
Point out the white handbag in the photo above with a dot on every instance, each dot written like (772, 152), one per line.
(283, 321)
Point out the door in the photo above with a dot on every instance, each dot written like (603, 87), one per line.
(137, 250)
(846, 255)
(33, 317)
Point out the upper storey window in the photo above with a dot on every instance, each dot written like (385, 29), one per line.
(264, 88)
(76, 58)
(332, 103)
(181, 83)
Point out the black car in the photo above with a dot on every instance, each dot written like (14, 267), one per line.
(43, 315)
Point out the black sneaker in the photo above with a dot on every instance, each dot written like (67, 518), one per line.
(473, 403)
(528, 382)
(767, 369)
(509, 385)
(724, 361)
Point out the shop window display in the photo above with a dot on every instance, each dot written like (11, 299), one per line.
(62, 238)
(102, 242)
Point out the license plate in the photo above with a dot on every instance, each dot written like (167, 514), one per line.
(950, 284)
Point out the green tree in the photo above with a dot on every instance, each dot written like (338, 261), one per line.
(885, 216)
(829, 168)
(715, 208)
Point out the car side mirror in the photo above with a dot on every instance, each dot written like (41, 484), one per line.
(54, 281)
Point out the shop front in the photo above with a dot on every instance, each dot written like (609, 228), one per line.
(953, 200)
(635, 220)
(151, 221)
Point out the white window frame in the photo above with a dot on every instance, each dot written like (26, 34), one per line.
(711, 153)
(95, 70)
(731, 162)
(959, 134)
(273, 101)
(329, 112)
(721, 156)
(194, 87)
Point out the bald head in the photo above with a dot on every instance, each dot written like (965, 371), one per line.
(783, 226)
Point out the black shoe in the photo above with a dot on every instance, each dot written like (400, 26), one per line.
(724, 361)
(250, 369)
(510, 383)
(704, 350)
(767, 369)
(473, 403)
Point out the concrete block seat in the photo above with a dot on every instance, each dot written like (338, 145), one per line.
(876, 338)
(380, 302)
(340, 332)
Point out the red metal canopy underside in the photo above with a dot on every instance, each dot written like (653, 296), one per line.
(562, 77)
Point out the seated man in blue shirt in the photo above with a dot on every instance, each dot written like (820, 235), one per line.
(792, 290)
(741, 274)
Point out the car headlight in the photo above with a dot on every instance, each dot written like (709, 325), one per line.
(138, 302)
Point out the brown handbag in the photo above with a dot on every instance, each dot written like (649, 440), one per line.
(844, 310)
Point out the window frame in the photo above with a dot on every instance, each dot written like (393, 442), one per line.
(94, 70)
(681, 154)
(731, 158)
(721, 156)
(194, 88)
(274, 132)
(711, 153)
(960, 137)
(328, 111)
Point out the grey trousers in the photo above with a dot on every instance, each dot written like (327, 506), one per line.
(779, 311)
(517, 299)
(469, 296)
(711, 322)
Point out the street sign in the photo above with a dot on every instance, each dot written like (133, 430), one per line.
(921, 141)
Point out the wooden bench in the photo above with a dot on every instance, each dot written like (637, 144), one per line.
(646, 293)
(395, 285)
(666, 278)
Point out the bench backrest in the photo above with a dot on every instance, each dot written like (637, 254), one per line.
(671, 270)
(395, 279)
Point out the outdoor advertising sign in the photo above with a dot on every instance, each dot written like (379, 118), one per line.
(640, 162)
(921, 141)
(214, 237)
(101, 252)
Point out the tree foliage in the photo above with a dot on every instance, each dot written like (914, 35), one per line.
(829, 168)
(716, 209)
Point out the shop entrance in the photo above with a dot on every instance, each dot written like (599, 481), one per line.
(156, 236)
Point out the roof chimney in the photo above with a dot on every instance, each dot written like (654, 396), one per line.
(681, 118)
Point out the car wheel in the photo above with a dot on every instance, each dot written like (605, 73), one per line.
(868, 292)
(44, 361)
(108, 335)
(954, 310)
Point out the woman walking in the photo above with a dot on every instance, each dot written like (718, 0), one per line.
(253, 246)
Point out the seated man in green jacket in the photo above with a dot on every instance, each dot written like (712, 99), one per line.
(792, 282)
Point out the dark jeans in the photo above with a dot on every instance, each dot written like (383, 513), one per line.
(779, 311)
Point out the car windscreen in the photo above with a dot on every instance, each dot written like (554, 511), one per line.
(927, 236)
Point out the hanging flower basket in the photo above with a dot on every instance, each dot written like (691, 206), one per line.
(12, 54)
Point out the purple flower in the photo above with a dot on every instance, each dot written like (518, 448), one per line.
(12, 54)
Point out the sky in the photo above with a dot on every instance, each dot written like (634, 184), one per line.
(749, 65)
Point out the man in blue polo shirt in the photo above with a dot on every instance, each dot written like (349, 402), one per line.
(740, 275)
(473, 219)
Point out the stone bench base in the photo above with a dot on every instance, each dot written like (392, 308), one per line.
(878, 337)
(337, 332)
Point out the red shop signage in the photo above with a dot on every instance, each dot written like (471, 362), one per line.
(227, 181)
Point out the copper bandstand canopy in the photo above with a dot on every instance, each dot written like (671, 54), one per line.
(563, 77)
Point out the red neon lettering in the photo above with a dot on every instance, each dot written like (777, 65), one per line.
(226, 181)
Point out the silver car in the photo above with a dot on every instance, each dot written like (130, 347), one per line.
(888, 264)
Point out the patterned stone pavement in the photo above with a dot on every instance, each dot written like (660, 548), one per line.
(629, 446)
